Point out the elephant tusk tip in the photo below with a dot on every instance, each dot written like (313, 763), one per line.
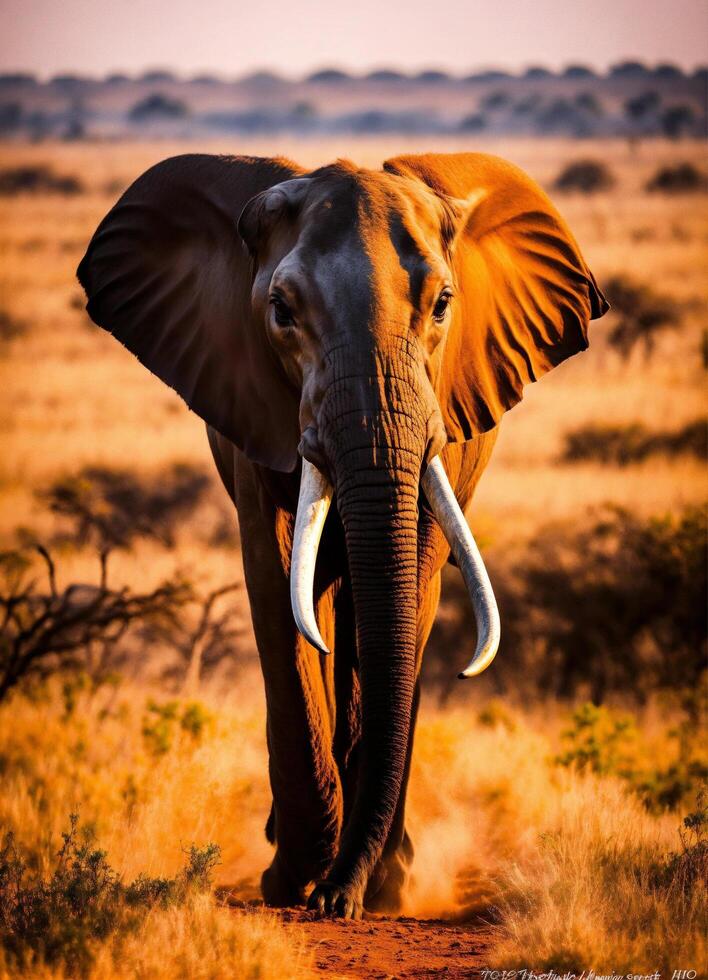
(314, 638)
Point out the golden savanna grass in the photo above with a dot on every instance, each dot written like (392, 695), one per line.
(568, 859)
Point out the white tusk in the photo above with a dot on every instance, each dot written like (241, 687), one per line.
(441, 498)
(312, 507)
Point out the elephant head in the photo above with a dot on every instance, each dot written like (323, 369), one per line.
(358, 320)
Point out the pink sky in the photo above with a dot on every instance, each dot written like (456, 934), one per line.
(232, 37)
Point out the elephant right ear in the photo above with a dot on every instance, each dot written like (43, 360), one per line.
(526, 296)
(168, 275)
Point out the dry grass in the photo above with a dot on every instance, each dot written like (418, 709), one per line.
(563, 861)
(566, 856)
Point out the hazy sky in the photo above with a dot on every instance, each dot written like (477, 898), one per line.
(232, 37)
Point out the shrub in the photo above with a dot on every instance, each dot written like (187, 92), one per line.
(10, 327)
(684, 178)
(37, 180)
(162, 721)
(608, 744)
(625, 444)
(586, 176)
(599, 740)
(640, 314)
(687, 870)
(58, 920)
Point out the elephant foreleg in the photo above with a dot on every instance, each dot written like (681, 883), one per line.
(307, 798)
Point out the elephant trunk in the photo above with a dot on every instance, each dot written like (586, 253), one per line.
(377, 470)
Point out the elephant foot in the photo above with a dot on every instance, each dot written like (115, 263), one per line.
(337, 901)
(279, 889)
(384, 893)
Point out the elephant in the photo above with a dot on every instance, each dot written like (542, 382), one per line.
(351, 337)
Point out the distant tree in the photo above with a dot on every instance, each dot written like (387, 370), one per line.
(536, 72)
(117, 78)
(304, 112)
(562, 115)
(158, 75)
(492, 75)
(578, 71)
(667, 70)
(17, 78)
(589, 103)
(70, 81)
(473, 123)
(526, 105)
(329, 76)
(157, 106)
(385, 75)
(640, 106)
(495, 101)
(262, 79)
(628, 69)
(11, 116)
(205, 79)
(432, 77)
(677, 120)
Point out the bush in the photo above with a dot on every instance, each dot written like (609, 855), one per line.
(586, 176)
(687, 870)
(10, 327)
(684, 178)
(613, 606)
(599, 740)
(37, 180)
(625, 444)
(58, 920)
(640, 314)
(608, 743)
(605, 603)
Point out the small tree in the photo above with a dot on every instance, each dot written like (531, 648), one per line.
(44, 630)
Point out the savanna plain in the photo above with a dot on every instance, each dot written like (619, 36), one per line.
(557, 803)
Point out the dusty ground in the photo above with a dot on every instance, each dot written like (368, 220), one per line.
(402, 948)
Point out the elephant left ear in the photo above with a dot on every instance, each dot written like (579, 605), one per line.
(525, 293)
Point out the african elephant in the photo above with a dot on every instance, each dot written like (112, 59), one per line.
(350, 337)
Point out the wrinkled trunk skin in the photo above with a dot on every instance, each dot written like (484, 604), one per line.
(376, 461)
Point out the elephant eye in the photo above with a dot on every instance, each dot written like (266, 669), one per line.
(281, 310)
(440, 308)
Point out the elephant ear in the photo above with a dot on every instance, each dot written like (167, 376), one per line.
(526, 295)
(168, 275)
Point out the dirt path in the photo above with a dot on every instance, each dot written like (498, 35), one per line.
(383, 949)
